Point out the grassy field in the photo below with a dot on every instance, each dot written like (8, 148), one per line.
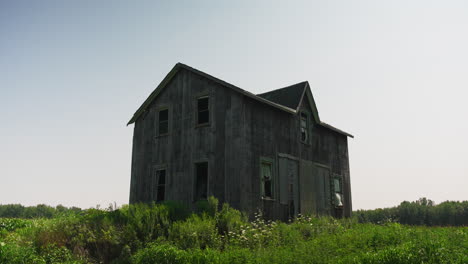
(168, 234)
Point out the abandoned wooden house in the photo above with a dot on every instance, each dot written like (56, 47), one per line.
(197, 136)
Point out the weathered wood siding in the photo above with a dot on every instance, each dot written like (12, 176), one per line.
(328, 149)
(188, 143)
(267, 132)
(241, 132)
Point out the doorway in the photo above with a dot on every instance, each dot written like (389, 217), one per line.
(289, 184)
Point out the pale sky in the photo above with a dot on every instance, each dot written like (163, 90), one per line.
(72, 73)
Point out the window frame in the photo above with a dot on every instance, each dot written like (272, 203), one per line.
(271, 162)
(307, 127)
(159, 121)
(155, 183)
(155, 112)
(339, 178)
(197, 112)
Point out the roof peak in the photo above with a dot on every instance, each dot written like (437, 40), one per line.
(287, 87)
(289, 96)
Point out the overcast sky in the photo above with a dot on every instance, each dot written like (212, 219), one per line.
(72, 73)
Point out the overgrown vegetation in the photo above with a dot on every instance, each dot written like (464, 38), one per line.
(167, 233)
(420, 212)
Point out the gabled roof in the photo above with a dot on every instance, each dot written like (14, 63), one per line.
(287, 99)
(180, 66)
(288, 96)
(292, 96)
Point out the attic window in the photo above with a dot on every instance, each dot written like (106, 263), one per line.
(266, 178)
(163, 122)
(304, 128)
(203, 116)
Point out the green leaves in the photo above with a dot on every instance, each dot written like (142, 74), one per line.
(166, 233)
(420, 212)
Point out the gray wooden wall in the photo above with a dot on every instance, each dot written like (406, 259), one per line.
(240, 132)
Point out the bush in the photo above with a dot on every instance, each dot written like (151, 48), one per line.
(16, 254)
(163, 233)
(177, 211)
(209, 206)
(196, 232)
(146, 221)
(229, 220)
(162, 254)
(11, 224)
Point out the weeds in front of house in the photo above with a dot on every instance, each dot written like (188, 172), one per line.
(168, 233)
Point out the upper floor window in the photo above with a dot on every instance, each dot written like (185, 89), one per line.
(203, 110)
(163, 121)
(304, 128)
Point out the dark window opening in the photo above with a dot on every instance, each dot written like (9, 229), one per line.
(203, 116)
(160, 185)
(304, 128)
(163, 122)
(201, 181)
(267, 186)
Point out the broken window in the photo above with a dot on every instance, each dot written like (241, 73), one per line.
(304, 128)
(267, 177)
(201, 181)
(160, 185)
(163, 121)
(203, 116)
(338, 192)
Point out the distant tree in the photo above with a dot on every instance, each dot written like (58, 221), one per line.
(421, 212)
(39, 211)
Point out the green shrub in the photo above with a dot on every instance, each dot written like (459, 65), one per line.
(168, 254)
(196, 232)
(229, 220)
(11, 224)
(177, 210)
(55, 255)
(209, 206)
(161, 254)
(146, 221)
(19, 254)
(163, 233)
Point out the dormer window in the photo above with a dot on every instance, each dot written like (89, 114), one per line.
(304, 128)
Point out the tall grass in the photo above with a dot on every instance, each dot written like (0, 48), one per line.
(168, 233)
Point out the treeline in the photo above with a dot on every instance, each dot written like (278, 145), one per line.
(38, 211)
(420, 212)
